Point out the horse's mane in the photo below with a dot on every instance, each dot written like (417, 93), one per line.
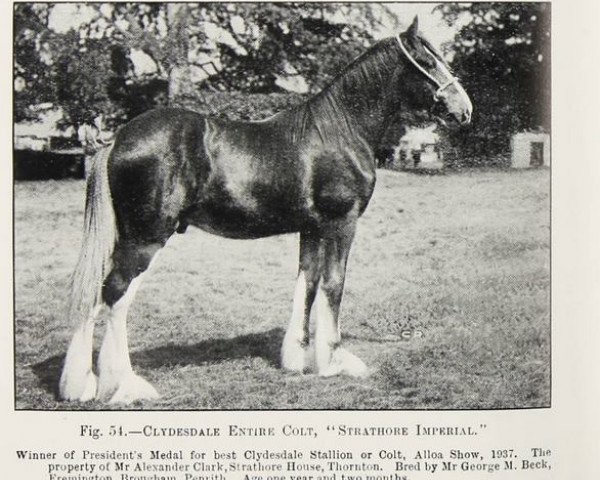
(330, 110)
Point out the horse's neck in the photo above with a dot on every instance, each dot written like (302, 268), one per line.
(364, 112)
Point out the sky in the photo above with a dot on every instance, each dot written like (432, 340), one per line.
(431, 24)
(65, 16)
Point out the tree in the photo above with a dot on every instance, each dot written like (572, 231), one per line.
(83, 77)
(310, 40)
(249, 47)
(89, 70)
(178, 48)
(502, 55)
(32, 84)
(73, 70)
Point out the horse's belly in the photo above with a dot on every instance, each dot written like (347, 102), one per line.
(233, 221)
(244, 199)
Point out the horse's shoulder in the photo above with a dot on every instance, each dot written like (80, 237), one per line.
(340, 181)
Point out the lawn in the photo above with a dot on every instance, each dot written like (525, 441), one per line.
(447, 300)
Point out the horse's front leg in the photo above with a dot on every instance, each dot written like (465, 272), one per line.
(295, 343)
(331, 358)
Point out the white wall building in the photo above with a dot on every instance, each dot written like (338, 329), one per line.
(530, 149)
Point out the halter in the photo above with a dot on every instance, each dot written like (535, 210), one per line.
(441, 86)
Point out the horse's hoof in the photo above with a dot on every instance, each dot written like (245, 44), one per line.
(293, 356)
(131, 388)
(345, 363)
(80, 389)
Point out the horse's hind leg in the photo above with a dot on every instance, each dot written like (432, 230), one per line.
(77, 381)
(117, 382)
(296, 340)
(331, 359)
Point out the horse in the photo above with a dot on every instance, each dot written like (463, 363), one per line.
(309, 169)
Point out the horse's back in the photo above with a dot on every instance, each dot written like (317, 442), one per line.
(157, 133)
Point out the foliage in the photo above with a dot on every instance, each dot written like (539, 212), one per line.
(502, 56)
(71, 70)
(82, 80)
(29, 71)
(240, 106)
(88, 69)
(307, 39)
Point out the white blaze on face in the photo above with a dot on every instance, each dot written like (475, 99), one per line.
(451, 79)
(465, 98)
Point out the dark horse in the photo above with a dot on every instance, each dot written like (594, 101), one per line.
(309, 169)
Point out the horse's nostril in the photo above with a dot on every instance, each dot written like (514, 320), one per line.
(466, 117)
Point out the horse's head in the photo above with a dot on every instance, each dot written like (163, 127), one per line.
(434, 86)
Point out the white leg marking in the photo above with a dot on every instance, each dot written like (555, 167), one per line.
(332, 359)
(77, 381)
(345, 362)
(116, 375)
(327, 334)
(293, 350)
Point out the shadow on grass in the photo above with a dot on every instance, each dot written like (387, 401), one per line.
(264, 345)
(48, 372)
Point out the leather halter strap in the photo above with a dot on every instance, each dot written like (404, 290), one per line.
(441, 86)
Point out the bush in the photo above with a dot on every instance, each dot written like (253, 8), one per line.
(240, 106)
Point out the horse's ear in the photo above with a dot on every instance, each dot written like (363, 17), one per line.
(414, 27)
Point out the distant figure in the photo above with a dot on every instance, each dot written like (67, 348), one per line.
(93, 138)
(384, 156)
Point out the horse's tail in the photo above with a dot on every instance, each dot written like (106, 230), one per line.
(99, 238)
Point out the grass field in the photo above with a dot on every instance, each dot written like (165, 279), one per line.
(447, 299)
